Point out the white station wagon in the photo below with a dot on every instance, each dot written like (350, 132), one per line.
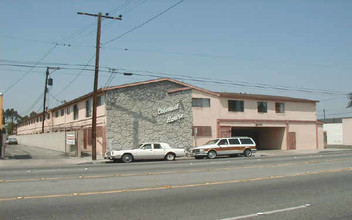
(226, 146)
(146, 151)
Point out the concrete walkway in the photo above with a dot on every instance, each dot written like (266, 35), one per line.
(297, 152)
(23, 156)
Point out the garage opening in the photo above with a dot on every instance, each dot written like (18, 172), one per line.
(266, 138)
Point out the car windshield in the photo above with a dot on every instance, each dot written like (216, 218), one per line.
(212, 142)
(138, 146)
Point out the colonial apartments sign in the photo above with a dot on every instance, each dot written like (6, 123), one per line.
(171, 118)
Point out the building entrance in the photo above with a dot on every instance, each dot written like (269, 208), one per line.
(266, 138)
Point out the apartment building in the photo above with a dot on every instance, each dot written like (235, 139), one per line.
(183, 115)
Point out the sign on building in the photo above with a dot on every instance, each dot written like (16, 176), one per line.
(70, 139)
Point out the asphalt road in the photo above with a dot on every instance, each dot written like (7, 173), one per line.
(296, 187)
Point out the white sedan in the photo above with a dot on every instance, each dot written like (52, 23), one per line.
(146, 151)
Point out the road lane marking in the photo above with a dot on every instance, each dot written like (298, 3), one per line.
(269, 212)
(168, 187)
(167, 172)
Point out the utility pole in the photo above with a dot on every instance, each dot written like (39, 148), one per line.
(95, 86)
(45, 91)
(324, 113)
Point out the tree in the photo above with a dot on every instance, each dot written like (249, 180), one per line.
(32, 114)
(10, 127)
(350, 100)
(11, 115)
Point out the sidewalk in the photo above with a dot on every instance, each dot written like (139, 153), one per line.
(273, 153)
(88, 160)
(45, 162)
(28, 156)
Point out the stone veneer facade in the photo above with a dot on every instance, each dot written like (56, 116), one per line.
(148, 113)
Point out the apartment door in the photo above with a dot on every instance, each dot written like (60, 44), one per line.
(225, 131)
(291, 141)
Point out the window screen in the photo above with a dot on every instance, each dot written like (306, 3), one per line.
(280, 107)
(262, 107)
(199, 102)
(236, 106)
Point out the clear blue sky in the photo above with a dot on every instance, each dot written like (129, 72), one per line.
(296, 44)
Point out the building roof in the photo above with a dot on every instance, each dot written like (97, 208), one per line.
(334, 120)
(185, 87)
(262, 97)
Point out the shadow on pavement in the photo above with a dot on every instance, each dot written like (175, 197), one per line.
(20, 157)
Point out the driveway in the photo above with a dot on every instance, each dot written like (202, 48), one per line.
(19, 152)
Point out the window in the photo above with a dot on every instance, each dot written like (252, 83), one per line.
(234, 141)
(40, 118)
(101, 100)
(198, 102)
(262, 107)
(280, 107)
(68, 110)
(75, 112)
(202, 131)
(56, 114)
(62, 112)
(246, 141)
(236, 106)
(147, 146)
(89, 108)
(223, 142)
(48, 116)
(157, 146)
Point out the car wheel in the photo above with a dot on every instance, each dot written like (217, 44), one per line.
(212, 154)
(126, 158)
(170, 156)
(198, 157)
(247, 153)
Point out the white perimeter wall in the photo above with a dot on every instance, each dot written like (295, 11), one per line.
(53, 141)
(334, 133)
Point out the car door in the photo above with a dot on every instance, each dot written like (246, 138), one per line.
(235, 145)
(223, 147)
(145, 152)
(158, 151)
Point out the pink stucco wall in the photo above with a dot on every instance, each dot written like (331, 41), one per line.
(300, 117)
(65, 121)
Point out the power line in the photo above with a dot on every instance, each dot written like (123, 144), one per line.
(134, 7)
(28, 63)
(239, 83)
(201, 80)
(144, 23)
(24, 75)
(40, 97)
(76, 76)
(35, 40)
(111, 77)
(123, 5)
